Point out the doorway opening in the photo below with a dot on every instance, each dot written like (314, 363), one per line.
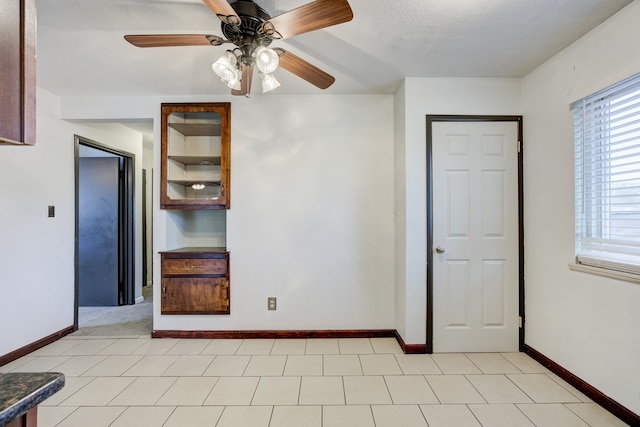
(475, 238)
(104, 226)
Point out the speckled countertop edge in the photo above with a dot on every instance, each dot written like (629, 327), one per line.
(21, 391)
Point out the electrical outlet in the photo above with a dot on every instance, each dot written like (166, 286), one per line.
(51, 211)
(271, 303)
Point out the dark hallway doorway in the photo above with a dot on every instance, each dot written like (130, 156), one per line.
(99, 267)
(104, 212)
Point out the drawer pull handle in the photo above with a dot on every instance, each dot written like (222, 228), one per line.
(194, 266)
(164, 289)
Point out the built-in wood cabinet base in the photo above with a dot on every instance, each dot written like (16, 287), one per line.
(195, 281)
(197, 295)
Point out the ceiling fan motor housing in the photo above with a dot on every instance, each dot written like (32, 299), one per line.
(250, 31)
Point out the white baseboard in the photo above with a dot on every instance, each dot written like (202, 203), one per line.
(139, 299)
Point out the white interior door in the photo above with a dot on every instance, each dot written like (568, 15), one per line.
(475, 236)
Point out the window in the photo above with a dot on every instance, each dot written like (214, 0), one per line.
(607, 170)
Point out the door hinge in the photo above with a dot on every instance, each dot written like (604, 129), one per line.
(519, 321)
(519, 146)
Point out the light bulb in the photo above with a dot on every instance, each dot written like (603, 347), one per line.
(269, 82)
(233, 84)
(267, 60)
(226, 67)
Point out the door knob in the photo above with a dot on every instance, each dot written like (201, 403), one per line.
(440, 250)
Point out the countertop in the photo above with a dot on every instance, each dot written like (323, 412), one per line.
(197, 250)
(22, 391)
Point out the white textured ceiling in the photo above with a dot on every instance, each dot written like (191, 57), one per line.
(81, 50)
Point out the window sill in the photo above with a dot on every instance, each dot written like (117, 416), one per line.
(611, 274)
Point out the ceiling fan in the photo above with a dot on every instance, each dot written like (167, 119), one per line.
(251, 29)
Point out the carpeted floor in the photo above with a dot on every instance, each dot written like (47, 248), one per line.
(126, 320)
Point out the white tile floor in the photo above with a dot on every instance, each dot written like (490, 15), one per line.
(140, 382)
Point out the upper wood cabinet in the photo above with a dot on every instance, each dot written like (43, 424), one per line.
(195, 155)
(18, 74)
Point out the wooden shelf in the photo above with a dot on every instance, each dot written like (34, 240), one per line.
(197, 129)
(198, 160)
(190, 182)
(197, 250)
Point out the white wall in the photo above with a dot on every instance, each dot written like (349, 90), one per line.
(400, 206)
(422, 97)
(311, 218)
(588, 324)
(36, 252)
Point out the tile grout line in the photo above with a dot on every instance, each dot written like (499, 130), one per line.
(473, 413)
(577, 415)
(555, 378)
(431, 388)
(384, 378)
(475, 388)
(520, 388)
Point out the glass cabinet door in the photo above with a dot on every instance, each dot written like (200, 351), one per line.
(195, 156)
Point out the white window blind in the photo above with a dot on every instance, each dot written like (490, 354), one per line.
(607, 170)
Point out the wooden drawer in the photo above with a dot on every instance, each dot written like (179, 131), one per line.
(194, 266)
(198, 295)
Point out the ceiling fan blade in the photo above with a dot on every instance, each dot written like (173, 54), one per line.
(245, 82)
(301, 68)
(162, 40)
(310, 17)
(223, 9)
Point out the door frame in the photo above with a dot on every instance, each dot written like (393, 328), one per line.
(126, 220)
(145, 257)
(430, 120)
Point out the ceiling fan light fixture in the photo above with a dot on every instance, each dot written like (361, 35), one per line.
(269, 82)
(233, 84)
(267, 60)
(226, 67)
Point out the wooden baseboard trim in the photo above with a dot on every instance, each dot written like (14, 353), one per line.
(23, 351)
(411, 348)
(591, 392)
(353, 333)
